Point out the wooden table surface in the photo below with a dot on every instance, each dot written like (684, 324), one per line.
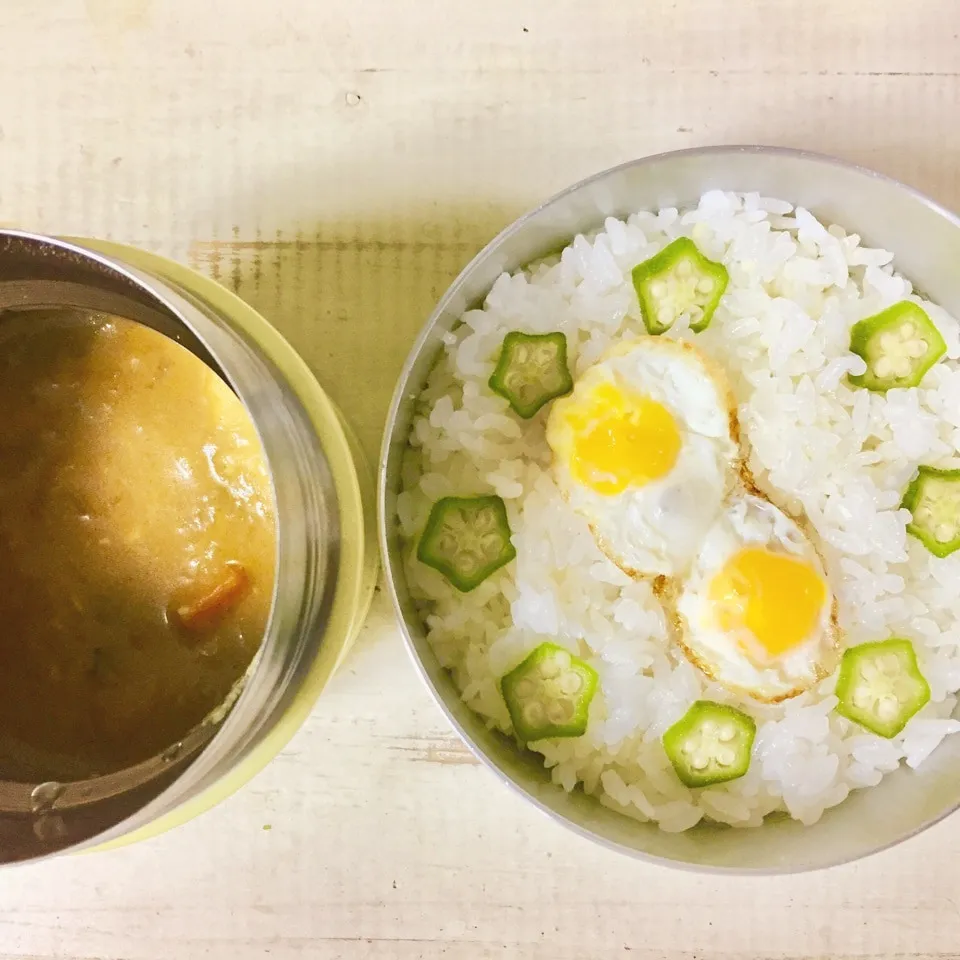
(337, 162)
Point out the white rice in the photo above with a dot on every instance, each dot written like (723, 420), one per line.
(839, 454)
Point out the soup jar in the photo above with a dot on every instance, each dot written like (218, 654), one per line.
(326, 551)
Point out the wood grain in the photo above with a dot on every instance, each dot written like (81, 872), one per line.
(337, 163)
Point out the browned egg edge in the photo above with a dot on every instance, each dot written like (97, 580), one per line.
(738, 468)
(667, 591)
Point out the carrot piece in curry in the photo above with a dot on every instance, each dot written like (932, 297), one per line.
(207, 609)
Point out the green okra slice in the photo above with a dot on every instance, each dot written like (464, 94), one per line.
(531, 371)
(899, 345)
(549, 694)
(880, 686)
(679, 280)
(710, 743)
(467, 539)
(933, 499)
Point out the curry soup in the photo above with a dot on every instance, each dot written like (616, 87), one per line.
(137, 544)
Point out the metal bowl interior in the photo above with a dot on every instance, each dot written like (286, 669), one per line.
(926, 240)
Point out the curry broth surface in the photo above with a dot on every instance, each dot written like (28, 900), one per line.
(137, 544)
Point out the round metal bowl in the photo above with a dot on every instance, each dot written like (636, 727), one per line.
(326, 550)
(926, 239)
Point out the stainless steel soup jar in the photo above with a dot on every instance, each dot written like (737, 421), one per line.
(326, 560)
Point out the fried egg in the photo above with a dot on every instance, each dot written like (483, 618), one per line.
(756, 613)
(645, 448)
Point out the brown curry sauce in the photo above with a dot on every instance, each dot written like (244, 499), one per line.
(137, 544)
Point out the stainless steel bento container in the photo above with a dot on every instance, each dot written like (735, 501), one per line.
(326, 553)
(926, 238)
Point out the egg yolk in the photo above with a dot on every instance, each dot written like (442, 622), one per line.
(777, 598)
(621, 439)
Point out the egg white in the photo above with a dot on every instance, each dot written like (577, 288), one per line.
(751, 521)
(656, 528)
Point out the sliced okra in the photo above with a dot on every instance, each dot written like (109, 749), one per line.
(549, 694)
(532, 370)
(467, 539)
(899, 345)
(679, 280)
(933, 500)
(880, 686)
(710, 743)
